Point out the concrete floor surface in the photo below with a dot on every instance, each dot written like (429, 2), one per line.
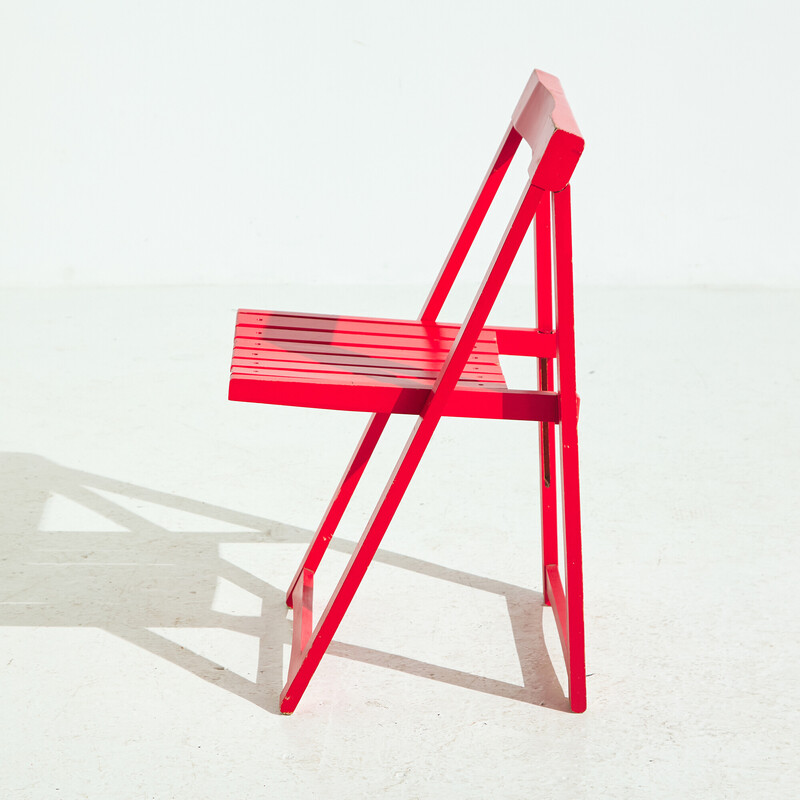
(149, 529)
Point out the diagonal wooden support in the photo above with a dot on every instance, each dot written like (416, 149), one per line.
(341, 498)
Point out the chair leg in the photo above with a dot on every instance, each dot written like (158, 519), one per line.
(573, 571)
(341, 498)
(547, 450)
(547, 483)
(576, 658)
(308, 660)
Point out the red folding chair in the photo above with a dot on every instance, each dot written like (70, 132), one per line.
(432, 369)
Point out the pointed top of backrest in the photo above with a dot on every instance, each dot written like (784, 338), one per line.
(544, 119)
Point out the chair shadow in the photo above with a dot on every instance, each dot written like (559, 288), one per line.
(139, 576)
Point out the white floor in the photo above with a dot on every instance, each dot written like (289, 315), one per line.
(149, 528)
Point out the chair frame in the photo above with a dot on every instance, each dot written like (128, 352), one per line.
(542, 118)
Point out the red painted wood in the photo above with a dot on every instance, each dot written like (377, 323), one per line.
(341, 498)
(261, 326)
(547, 440)
(554, 590)
(544, 119)
(365, 332)
(345, 339)
(277, 357)
(309, 369)
(273, 320)
(433, 370)
(400, 396)
(483, 353)
(303, 605)
(570, 491)
(525, 341)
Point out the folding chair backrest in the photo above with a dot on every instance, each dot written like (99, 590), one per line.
(544, 119)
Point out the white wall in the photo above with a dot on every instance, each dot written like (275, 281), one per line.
(211, 142)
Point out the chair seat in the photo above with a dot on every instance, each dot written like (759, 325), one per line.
(365, 364)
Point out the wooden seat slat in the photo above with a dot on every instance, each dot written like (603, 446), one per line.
(319, 355)
(384, 327)
(485, 355)
(368, 367)
(360, 340)
(354, 375)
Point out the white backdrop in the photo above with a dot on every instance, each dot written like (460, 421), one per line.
(240, 142)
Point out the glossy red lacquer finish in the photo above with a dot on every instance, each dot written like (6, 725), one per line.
(432, 370)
